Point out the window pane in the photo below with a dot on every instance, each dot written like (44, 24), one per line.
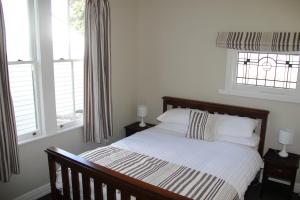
(68, 28)
(17, 29)
(78, 86)
(68, 99)
(76, 20)
(269, 70)
(63, 90)
(60, 29)
(22, 90)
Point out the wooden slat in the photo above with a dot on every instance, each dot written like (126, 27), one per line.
(86, 185)
(75, 185)
(52, 173)
(125, 195)
(111, 192)
(65, 180)
(98, 189)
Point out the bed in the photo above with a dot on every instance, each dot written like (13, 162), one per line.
(239, 165)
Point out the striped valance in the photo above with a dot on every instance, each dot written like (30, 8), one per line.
(259, 41)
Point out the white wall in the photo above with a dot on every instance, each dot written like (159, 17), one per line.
(34, 167)
(177, 53)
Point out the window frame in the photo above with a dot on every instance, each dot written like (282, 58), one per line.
(38, 119)
(260, 92)
(70, 60)
(33, 63)
(77, 121)
(40, 27)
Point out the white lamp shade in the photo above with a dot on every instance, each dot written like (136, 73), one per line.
(141, 111)
(286, 136)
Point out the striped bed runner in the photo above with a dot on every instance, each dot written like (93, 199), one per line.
(178, 179)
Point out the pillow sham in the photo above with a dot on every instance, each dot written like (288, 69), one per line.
(234, 126)
(178, 129)
(176, 115)
(200, 123)
(252, 141)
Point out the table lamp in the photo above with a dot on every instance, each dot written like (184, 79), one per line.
(286, 136)
(142, 112)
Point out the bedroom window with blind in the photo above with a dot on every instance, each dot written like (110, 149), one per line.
(22, 65)
(45, 57)
(68, 41)
(262, 65)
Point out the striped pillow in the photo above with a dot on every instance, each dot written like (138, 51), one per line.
(199, 126)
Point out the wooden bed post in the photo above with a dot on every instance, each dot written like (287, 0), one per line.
(52, 173)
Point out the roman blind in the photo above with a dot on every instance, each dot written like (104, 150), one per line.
(260, 41)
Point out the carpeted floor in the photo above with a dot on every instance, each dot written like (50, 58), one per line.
(273, 192)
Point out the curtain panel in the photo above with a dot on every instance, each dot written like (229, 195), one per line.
(97, 72)
(260, 41)
(9, 155)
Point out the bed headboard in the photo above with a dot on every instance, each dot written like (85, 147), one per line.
(174, 102)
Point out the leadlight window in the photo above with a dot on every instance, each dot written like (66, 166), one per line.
(274, 70)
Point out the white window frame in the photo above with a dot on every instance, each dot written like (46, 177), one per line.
(33, 62)
(46, 60)
(70, 60)
(260, 92)
(43, 73)
(77, 122)
(36, 132)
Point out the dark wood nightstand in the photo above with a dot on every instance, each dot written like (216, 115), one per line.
(280, 168)
(133, 128)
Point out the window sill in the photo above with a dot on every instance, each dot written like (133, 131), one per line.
(261, 95)
(39, 137)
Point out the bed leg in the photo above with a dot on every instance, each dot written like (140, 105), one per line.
(52, 172)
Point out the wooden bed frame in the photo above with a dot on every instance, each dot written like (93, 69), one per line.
(126, 185)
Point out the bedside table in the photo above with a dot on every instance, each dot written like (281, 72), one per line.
(280, 168)
(133, 128)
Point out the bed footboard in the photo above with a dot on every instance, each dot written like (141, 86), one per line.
(113, 180)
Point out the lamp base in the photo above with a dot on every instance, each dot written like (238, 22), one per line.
(283, 152)
(142, 123)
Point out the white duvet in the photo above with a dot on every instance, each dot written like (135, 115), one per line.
(236, 164)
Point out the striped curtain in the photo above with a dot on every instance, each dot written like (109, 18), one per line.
(260, 41)
(97, 72)
(9, 156)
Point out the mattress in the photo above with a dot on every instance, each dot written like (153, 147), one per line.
(236, 164)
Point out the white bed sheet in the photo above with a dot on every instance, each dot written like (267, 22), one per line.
(236, 164)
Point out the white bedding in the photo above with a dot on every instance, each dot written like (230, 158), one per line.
(236, 164)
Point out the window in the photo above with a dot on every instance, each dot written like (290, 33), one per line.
(21, 65)
(263, 75)
(45, 67)
(67, 31)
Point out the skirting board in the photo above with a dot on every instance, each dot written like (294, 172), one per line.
(36, 193)
(45, 189)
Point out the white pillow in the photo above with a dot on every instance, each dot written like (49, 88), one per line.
(234, 126)
(179, 129)
(252, 141)
(177, 115)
